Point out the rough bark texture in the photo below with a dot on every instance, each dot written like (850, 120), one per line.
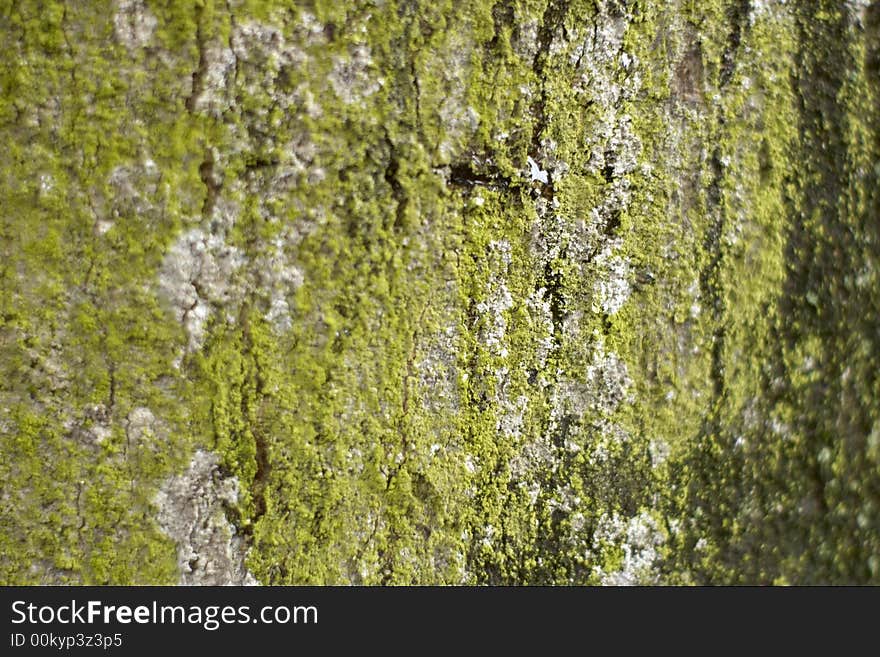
(514, 291)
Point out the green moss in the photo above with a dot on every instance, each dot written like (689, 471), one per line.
(450, 398)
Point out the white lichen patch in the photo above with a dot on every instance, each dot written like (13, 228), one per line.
(133, 23)
(270, 67)
(607, 381)
(214, 94)
(525, 41)
(660, 452)
(493, 309)
(144, 429)
(634, 544)
(264, 45)
(198, 270)
(536, 173)
(459, 120)
(92, 427)
(438, 370)
(858, 9)
(191, 511)
(273, 64)
(541, 320)
(537, 455)
(279, 278)
(612, 286)
(99, 422)
(133, 189)
(46, 185)
(609, 77)
(605, 443)
(352, 77)
(556, 166)
(774, 9)
(511, 414)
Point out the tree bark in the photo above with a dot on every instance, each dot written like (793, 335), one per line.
(533, 292)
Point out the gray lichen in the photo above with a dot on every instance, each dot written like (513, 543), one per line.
(192, 512)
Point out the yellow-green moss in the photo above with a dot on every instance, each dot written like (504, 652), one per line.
(451, 398)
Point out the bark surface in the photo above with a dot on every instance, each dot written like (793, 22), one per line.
(514, 291)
